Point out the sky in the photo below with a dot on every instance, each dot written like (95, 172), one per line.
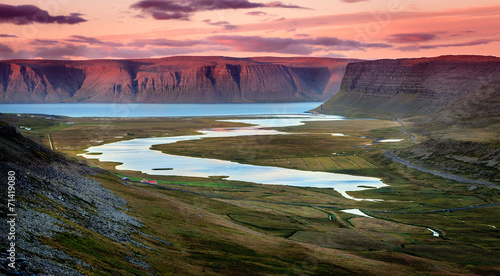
(365, 29)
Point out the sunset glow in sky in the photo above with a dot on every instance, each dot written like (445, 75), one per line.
(367, 29)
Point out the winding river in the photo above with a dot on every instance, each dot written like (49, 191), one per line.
(137, 155)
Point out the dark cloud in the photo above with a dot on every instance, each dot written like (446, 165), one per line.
(411, 38)
(278, 4)
(44, 42)
(463, 44)
(163, 42)
(376, 45)
(224, 24)
(257, 13)
(8, 35)
(290, 45)
(64, 52)
(82, 47)
(262, 44)
(29, 14)
(342, 44)
(183, 9)
(69, 51)
(84, 39)
(416, 48)
(7, 53)
(462, 33)
(4, 49)
(92, 41)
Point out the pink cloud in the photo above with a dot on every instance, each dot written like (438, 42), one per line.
(163, 42)
(416, 48)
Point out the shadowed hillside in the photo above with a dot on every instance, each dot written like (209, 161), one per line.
(58, 204)
(478, 108)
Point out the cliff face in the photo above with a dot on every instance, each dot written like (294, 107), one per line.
(174, 79)
(406, 87)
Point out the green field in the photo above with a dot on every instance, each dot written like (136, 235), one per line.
(219, 226)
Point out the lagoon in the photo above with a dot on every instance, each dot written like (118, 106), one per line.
(137, 155)
(158, 109)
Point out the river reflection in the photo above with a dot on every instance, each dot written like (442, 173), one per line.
(137, 155)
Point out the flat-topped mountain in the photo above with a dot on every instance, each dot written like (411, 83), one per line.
(172, 79)
(405, 87)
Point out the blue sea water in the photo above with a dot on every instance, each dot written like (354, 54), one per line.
(158, 110)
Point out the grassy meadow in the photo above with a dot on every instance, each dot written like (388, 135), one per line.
(214, 226)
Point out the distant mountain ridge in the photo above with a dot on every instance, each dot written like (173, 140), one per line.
(172, 79)
(406, 87)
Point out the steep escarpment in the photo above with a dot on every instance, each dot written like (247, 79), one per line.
(406, 87)
(57, 205)
(173, 79)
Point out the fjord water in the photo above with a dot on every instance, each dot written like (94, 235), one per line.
(157, 110)
(137, 155)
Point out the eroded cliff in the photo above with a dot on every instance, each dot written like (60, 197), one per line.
(173, 79)
(405, 87)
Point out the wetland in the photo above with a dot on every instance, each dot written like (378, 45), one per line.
(227, 225)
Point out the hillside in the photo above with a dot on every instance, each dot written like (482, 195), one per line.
(477, 108)
(57, 203)
(172, 79)
(406, 87)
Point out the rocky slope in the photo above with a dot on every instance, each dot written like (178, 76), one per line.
(473, 160)
(405, 87)
(56, 202)
(173, 79)
(478, 108)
